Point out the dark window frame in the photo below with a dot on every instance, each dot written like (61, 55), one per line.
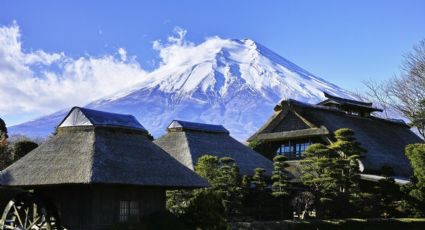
(128, 209)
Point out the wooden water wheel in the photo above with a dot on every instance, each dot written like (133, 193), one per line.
(28, 212)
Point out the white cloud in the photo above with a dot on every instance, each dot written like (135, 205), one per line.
(123, 54)
(28, 83)
(177, 51)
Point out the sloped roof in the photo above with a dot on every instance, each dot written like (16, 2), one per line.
(99, 155)
(289, 135)
(79, 116)
(384, 139)
(348, 102)
(186, 125)
(188, 145)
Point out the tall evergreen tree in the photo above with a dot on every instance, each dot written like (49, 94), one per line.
(280, 182)
(229, 187)
(318, 168)
(349, 151)
(259, 185)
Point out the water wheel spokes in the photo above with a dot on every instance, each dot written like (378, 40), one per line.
(27, 213)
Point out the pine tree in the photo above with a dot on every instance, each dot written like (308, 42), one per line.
(280, 181)
(349, 151)
(332, 173)
(207, 167)
(229, 187)
(317, 169)
(259, 186)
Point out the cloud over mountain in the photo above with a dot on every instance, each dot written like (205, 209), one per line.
(38, 82)
(224, 81)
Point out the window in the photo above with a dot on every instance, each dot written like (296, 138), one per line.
(285, 149)
(292, 150)
(129, 210)
(300, 149)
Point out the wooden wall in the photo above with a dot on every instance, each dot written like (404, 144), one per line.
(94, 207)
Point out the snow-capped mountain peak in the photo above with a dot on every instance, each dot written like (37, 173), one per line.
(224, 81)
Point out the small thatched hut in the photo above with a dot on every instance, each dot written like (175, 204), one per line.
(295, 125)
(187, 141)
(100, 168)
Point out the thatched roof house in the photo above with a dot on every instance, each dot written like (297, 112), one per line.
(104, 162)
(295, 125)
(187, 141)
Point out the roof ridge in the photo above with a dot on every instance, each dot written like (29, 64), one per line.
(181, 125)
(328, 95)
(331, 109)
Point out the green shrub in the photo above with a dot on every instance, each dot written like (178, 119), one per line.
(155, 221)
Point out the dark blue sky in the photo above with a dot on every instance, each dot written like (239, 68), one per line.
(344, 42)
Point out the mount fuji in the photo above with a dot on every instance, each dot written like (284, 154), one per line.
(235, 83)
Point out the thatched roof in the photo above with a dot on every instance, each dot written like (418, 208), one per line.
(294, 134)
(100, 154)
(384, 139)
(187, 145)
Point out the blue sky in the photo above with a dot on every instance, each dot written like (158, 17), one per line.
(344, 42)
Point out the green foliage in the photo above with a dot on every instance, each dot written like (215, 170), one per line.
(259, 179)
(210, 208)
(259, 189)
(416, 155)
(317, 170)
(280, 183)
(347, 167)
(205, 211)
(21, 148)
(387, 196)
(332, 174)
(254, 144)
(303, 203)
(228, 185)
(262, 148)
(415, 192)
(280, 179)
(207, 168)
(178, 201)
(338, 224)
(5, 157)
(155, 221)
(3, 129)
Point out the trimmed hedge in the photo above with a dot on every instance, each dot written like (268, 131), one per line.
(346, 224)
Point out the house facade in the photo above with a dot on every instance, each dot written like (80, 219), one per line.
(98, 169)
(296, 125)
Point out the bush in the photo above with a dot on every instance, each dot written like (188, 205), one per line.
(347, 224)
(155, 221)
(22, 148)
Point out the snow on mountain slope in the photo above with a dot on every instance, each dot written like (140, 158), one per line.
(231, 82)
